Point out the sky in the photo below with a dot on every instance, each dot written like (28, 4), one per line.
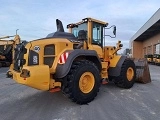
(36, 18)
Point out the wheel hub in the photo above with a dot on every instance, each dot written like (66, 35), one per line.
(130, 73)
(86, 82)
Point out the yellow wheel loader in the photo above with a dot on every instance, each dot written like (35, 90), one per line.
(6, 50)
(149, 58)
(154, 58)
(75, 62)
(157, 61)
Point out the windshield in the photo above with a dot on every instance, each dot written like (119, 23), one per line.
(75, 30)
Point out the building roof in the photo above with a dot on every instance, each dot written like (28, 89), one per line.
(149, 29)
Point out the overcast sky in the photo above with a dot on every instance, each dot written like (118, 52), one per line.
(36, 18)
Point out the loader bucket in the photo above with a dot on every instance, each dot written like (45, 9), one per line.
(142, 71)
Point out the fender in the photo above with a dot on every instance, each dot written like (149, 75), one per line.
(63, 69)
(115, 71)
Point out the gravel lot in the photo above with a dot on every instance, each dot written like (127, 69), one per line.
(142, 102)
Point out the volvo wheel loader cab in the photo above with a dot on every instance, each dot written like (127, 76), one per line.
(74, 62)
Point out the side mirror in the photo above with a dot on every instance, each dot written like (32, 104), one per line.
(120, 45)
(114, 30)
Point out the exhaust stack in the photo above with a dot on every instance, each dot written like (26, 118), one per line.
(59, 26)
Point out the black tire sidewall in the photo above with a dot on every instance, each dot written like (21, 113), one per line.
(126, 82)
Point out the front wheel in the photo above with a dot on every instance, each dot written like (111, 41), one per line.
(82, 82)
(127, 75)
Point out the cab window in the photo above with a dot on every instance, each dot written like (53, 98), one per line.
(97, 34)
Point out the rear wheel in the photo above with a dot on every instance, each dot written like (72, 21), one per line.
(127, 75)
(82, 82)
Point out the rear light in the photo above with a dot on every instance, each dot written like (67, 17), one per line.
(63, 58)
(35, 59)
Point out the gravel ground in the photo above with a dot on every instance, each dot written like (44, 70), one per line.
(141, 102)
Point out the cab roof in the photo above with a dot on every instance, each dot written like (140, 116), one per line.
(86, 20)
(95, 20)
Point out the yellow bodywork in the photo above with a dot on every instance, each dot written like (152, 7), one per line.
(61, 45)
(150, 59)
(98, 49)
(6, 42)
(158, 61)
(41, 76)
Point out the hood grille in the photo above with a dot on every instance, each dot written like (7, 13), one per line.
(49, 55)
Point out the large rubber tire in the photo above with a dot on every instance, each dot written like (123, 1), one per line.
(71, 85)
(127, 75)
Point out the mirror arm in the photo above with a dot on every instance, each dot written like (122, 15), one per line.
(111, 36)
(114, 31)
(111, 27)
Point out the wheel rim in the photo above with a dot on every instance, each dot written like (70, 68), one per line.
(130, 73)
(86, 82)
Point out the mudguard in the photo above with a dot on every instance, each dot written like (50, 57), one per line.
(115, 71)
(63, 69)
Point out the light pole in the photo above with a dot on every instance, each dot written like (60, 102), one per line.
(16, 31)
